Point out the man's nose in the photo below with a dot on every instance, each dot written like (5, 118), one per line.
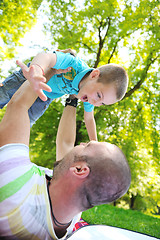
(90, 143)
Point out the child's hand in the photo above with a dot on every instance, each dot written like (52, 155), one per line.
(34, 75)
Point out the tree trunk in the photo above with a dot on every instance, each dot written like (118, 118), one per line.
(132, 201)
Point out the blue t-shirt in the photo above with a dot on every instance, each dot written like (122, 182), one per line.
(67, 83)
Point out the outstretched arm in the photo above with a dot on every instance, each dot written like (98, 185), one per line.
(90, 125)
(15, 125)
(66, 133)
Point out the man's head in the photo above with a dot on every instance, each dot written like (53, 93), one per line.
(101, 169)
(104, 86)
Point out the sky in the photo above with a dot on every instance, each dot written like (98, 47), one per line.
(32, 43)
(35, 41)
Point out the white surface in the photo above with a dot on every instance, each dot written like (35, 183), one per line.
(101, 232)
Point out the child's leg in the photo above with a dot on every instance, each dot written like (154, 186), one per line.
(9, 86)
(37, 109)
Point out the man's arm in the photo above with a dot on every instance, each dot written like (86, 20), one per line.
(66, 133)
(90, 125)
(15, 125)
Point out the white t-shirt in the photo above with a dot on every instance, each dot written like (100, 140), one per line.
(24, 203)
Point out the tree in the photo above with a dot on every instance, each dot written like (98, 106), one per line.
(16, 18)
(101, 30)
(43, 136)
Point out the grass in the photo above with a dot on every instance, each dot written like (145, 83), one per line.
(127, 219)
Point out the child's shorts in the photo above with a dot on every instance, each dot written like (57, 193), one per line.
(10, 85)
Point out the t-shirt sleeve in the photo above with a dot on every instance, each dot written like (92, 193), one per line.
(88, 107)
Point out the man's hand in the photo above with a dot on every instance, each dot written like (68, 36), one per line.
(68, 50)
(34, 74)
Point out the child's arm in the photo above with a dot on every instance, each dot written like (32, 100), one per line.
(90, 125)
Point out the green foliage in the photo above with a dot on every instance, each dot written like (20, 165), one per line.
(16, 18)
(101, 31)
(127, 219)
(101, 28)
(2, 113)
(128, 124)
(43, 136)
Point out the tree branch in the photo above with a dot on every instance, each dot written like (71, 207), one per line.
(109, 23)
(143, 75)
(85, 45)
(116, 43)
(114, 49)
(101, 41)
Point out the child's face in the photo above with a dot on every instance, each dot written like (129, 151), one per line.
(97, 93)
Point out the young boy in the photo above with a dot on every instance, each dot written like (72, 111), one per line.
(94, 87)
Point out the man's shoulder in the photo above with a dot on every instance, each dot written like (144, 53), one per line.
(13, 150)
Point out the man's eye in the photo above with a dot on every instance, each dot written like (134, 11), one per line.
(99, 96)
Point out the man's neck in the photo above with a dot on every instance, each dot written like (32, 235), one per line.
(63, 207)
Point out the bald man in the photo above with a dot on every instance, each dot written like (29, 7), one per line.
(36, 203)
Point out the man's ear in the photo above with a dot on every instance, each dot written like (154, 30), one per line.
(95, 73)
(80, 170)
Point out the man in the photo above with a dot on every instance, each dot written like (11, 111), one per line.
(33, 203)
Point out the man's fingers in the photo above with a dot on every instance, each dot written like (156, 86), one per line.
(41, 95)
(34, 73)
(37, 82)
(43, 79)
(64, 70)
(67, 70)
(22, 65)
(69, 50)
(59, 71)
(45, 87)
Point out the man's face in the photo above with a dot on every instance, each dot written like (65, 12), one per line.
(97, 93)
